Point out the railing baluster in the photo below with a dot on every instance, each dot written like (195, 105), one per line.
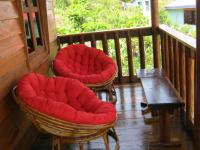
(118, 56)
(93, 41)
(171, 59)
(142, 53)
(189, 67)
(176, 65)
(82, 40)
(58, 43)
(163, 50)
(167, 54)
(105, 44)
(182, 71)
(130, 55)
(70, 40)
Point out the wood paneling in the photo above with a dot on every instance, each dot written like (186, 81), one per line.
(9, 28)
(15, 62)
(7, 10)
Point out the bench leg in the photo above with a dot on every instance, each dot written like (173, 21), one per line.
(165, 139)
(81, 146)
(56, 142)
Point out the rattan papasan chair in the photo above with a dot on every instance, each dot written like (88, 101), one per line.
(66, 109)
(89, 65)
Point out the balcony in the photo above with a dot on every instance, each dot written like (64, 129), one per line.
(177, 59)
(177, 54)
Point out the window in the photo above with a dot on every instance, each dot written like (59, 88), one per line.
(190, 17)
(33, 27)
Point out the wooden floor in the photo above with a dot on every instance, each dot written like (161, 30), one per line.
(133, 133)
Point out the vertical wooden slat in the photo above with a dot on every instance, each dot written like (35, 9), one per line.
(130, 55)
(189, 67)
(155, 34)
(142, 53)
(166, 53)
(93, 41)
(32, 25)
(193, 54)
(118, 56)
(182, 71)
(105, 44)
(42, 14)
(171, 59)
(70, 40)
(176, 65)
(163, 50)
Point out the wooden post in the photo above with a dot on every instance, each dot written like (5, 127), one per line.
(197, 82)
(155, 25)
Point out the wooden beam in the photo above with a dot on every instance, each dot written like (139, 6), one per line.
(197, 82)
(155, 37)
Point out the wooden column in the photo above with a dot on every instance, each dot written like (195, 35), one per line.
(155, 25)
(197, 82)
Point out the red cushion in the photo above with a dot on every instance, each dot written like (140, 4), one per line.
(88, 65)
(66, 99)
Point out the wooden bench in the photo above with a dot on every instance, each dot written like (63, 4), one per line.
(162, 99)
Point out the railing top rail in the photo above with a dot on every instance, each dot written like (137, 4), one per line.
(180, 37)
(107, 31)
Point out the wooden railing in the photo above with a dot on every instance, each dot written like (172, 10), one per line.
(115, 35)
(177, 51)
(178, 60)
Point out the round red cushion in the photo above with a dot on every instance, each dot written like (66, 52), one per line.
(64, 98)
(88, 65)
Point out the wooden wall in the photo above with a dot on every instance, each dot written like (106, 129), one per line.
(16, 132)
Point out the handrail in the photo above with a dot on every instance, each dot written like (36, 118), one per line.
(116, 36)
(134, 32)
(180, 37)
(108, 31)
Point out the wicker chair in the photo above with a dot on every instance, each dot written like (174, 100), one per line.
(64, 130)
(88, 65)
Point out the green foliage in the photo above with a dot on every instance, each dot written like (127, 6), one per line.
(164, 18)
(62, 4)
(187, 29)
(94, 15)
(127, 1)
(75, 16)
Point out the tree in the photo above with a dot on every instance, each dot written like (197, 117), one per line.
(95, 15)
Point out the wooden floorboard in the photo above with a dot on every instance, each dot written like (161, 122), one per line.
(133, 133)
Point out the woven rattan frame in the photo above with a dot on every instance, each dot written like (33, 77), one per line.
(108, 86)
(63, 131)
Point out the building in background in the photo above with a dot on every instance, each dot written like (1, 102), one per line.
(144, 4)
(182, 12)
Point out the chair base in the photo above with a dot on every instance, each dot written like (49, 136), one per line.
(107, 88)
(57, 141)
